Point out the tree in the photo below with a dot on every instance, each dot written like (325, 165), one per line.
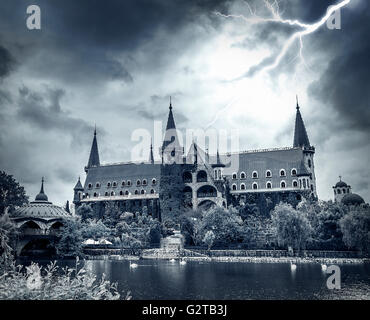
(69, 243)
(224, 223)
(8, 232)
(292, 227)
(85, 212)
(11, 193)
(356, 229)
(95, 230)
(208, 239)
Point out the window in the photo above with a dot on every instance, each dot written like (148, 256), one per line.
(128, 183)
(136, 192)
(112, 193)
(255, 174)
(89, 185)
(152, 191)
(268, 174)
(311, 187)
(344, 190)
(282, 173)
(215, 174)
(234, 187)
(282, 184)
(108, 184)
(138, 182)
(97, 185)
(242, 175)
(142, 191)
(95, 194)
(123, 183)
(294, 172)
(126, 193)
(309, 163)
(154, 181)
(268, 185)
(234, 176)
(254, 186)
(114, 184)
(202, 176)
(295, 184)
(144, 182)
(242, 186)
(106, 193)
(121, 193)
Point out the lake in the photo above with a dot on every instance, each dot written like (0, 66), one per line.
(161, 279)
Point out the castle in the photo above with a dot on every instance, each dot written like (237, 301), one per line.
(199, 180)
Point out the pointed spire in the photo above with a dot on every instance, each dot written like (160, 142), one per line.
(218, 161)
(151, 157)
(300, 133)
(78, 185)
(171, 120)
(94, 153)
(41, 196)
(170, 136)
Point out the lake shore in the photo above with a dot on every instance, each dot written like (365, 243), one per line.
(296, 260)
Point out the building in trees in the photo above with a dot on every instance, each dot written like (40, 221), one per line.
(343, 194)
(197, 179)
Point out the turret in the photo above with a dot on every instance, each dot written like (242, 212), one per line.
(78, 190)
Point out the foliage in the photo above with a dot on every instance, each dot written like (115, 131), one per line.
(11, 193)
(85, 212)
(224, 223)
(37, 283)
(8, 233)
(69, 243)
(356, 229)
(209, 238)
(292, 227)
(96, 230)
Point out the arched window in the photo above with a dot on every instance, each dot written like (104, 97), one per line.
(123, 183)
(154, 181)
(268, 174)
(89, 185)
(187, 177)
(344, 190)
(254, 186)
(295, 184)
(294, 172)
(142, 191)
(234, 187)
(242, 186)
(311, 187)
(219, 174)
(309, 163)
(127, 193)
(282, 184)
(136, 192)
(138, 182)
(338, 191)
(108, 184)
(268, 185)
(121, 193)
(106, 193)
(202, 176)
(255, 175)
(128, 183)
(234, 176)
(95, 194)
(97, 185)
(114, 184)
(215, 174)
(112, 193)
(242, 175)
(152, 191)
(282, 173)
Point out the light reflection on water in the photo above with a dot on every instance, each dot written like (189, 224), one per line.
(228, 280)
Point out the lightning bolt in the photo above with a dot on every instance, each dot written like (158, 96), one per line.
(274, 9)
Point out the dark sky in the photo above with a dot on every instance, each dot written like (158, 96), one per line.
(115, 63)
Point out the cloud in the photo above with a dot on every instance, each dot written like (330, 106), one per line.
(6, 62)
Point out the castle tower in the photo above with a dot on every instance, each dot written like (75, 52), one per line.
(94, 154)
(340, 190)
(301, 141)
(77, 190)
(151, 157)
(171, 150)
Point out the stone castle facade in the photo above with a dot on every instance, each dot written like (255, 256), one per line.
(199, 180)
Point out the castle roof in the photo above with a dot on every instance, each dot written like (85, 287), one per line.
(300, 133)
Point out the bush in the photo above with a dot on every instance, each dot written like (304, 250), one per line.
(37, 283)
